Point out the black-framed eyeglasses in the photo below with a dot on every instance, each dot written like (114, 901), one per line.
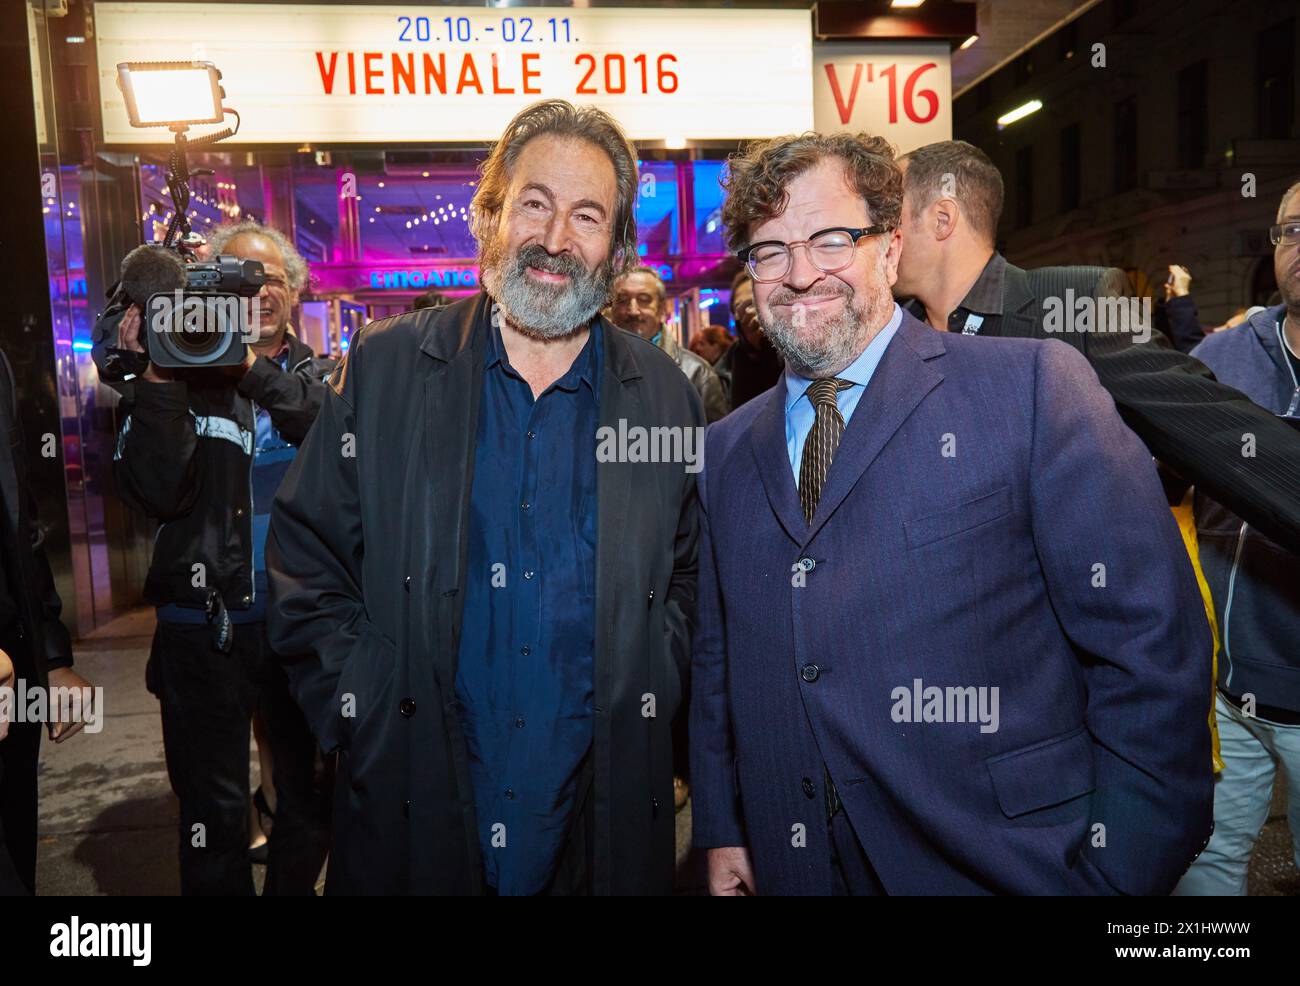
(1288, 233)
(830, 250)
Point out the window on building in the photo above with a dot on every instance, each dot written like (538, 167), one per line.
(1193, 115)
(1070, 168)
(1275, 80)
(1025, 186)
(1126, 138)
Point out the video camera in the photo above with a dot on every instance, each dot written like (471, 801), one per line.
(195, 312)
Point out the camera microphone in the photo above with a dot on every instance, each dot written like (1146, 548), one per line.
(149, 270)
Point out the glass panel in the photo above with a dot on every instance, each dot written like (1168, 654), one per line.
(656, 210)
(709, 234)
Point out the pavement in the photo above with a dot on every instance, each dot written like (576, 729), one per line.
(108, 818)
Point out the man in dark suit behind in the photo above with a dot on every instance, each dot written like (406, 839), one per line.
(966, 653)
(1189, 421)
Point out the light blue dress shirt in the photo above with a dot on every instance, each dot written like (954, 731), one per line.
(799, 412)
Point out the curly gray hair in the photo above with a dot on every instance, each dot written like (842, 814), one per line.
(295, 268)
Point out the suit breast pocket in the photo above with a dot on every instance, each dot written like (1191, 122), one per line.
(956, 520)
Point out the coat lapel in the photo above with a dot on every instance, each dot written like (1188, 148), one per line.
(767, 439)
(451, 407)
(901, 381)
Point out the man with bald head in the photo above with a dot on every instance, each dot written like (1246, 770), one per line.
(202, 451)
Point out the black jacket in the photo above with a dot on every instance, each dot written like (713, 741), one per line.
(1188, 420)
(366, 561)
(184, 457)
(30, 580)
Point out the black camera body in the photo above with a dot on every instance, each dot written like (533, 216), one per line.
(208, 322)
(194, 313)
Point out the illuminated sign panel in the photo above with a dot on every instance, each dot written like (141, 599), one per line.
(299, 73)
(900, 90)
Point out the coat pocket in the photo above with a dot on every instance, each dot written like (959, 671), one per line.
(1043, 774)
(959, 519)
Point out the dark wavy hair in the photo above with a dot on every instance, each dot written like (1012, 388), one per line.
(557, 118)
(757, 177)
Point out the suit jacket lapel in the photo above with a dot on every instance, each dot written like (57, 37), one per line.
(767, 440)
(900, 383)
(1019, 319)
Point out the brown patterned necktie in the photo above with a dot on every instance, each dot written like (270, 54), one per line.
(822, 441)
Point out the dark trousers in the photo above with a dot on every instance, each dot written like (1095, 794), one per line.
(18, 755)
(852, 874)
(208, 699)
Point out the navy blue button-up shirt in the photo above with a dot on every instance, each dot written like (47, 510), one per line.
(527, 646)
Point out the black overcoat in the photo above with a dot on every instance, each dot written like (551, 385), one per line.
(367, 556)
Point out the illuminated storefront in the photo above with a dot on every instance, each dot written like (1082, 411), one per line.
(361, 129)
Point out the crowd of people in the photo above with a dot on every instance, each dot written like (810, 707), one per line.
(912, 616)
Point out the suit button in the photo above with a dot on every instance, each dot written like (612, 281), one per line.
(525, 650)
(510, 794)
(406, 583)
(810, 673)
(239, 511)
(528, 575)
(406, 809)
(519, 723)
(806, 564)
(407, 707)
(652, 595)
(248, 600)
(809, 789)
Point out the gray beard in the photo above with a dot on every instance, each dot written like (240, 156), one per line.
(545, 311)
(840, 339)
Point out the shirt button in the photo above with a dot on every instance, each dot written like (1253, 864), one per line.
(809, 789)
(810, 673)
(807, 564)
(525, 650)
(510, 794)
(519, 723)
(525, 505)
(528, 574)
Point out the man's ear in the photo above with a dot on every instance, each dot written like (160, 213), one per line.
(943, 217)
(892, 252)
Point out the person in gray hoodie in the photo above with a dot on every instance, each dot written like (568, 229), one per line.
(1255, 584)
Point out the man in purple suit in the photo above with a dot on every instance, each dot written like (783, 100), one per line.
(949, 641)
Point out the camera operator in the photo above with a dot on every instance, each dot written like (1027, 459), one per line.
(202, 451)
